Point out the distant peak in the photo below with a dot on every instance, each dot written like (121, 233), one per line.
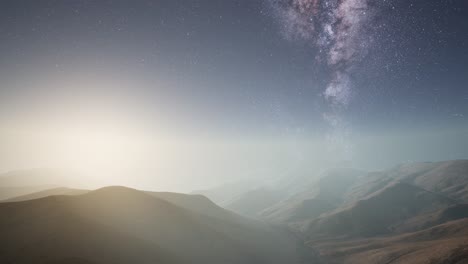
(115, 191)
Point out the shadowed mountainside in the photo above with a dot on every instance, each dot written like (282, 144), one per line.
(193, 202)
(384, 212)
(442, 244)
(322, 195)
(122, 225)
(449, 178)
(349, 202)
(254, 201)
(225, 193)
(413, 213)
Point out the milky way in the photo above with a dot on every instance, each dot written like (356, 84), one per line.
(336, 28)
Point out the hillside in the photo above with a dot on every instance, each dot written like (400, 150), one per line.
(193, 202)
(226, 193)
(449, 178)
(442, 244)
(346, 215)
(122, 225)
(9, 192)
(320, 196)
(253, 202)
(405, 190)
(25, 182)
(383, 212)
(196, 203)
(46, 193)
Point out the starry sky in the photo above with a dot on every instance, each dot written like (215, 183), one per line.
(275, 83)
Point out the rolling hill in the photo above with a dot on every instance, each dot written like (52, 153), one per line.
(46, 193)
(441, 244)
(251, 203)
(193, 202)
(449, 178)
(320, 196)
(122, 225)
(412, 213)
(385, 211)
(25, 182)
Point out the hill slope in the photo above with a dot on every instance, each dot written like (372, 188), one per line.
(122, 225)
(253, 202)
(24, 182)
(46, 193)
(193, 202)
(383, 212)
(322, 195)
(442, 244)
(449, 178)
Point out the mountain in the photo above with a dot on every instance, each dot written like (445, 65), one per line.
(7, 192)
(196, 203)
(441, 244)
(341, 193)
(322, 195)
(383, 212)
(122, 225)
(46, 193)
(23, 182)
(193, 202)
(226, 193)
(412, 213)
(449, 178)
(253, 202)
(433, 218)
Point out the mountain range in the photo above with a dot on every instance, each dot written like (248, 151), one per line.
(412, 213)
(352, 211)
(123, 225)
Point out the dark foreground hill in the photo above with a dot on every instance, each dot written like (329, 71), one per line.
(122, 225)
(192, 202)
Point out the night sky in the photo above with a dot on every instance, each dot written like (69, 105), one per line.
(365, 77)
